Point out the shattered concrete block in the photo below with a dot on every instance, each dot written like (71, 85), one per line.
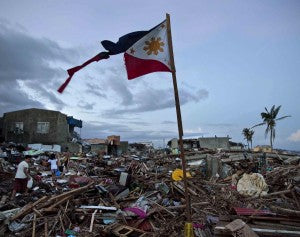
(123, 178)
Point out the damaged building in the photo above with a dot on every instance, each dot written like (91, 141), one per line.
(207, 143)
(30, 126)
(112, 145)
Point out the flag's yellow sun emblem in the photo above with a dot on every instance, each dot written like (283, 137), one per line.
(154, 46)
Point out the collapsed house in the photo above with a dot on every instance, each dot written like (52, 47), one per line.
(112, 145)
(206, 143)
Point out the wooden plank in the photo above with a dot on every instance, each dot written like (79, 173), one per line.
(72, 192)
(55, 223)
(33, 225)
(92, 221)
(51, 208)
(178, 185)
(37, 212)
(98, 207)
(62, 223)
(114, 200)
(66, 208)
(46, 227)
(196, 187)
(162, 207)
(118, 228)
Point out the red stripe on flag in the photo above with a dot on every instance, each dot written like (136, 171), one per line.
(72, 71)
(64, 85)
(137, 67)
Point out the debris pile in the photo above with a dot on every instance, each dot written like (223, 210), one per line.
(142, 194)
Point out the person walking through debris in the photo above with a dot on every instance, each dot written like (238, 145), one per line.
(67, 159)
(21, 177)
(53, 162)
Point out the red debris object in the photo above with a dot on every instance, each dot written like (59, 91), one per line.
(252, 212)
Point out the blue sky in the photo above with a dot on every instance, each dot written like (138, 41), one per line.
(233, 58)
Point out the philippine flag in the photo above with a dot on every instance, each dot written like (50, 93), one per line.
(145, 51)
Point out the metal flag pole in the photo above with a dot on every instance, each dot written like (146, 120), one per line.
(188, 225)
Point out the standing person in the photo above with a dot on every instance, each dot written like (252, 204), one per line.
(53, 162)
(21, 177)
(59, 163)
(67, 159)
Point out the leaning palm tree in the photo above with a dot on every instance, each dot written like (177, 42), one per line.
(248, 135)
(269, 119)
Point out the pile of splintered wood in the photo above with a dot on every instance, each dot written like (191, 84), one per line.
(48, 214)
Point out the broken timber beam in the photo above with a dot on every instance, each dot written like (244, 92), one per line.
(49, 209)
(28, 208)
(72, 192)
(33, 225)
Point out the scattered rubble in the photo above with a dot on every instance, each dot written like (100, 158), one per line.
(233, 193)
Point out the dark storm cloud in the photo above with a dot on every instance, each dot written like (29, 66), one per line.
(120, 87)
(15, 99)
(28, 59)
(41, 92)
(85, 105)
(114, 80)
(96, 90)
(140, 96)
(187, 96)
(151, 99)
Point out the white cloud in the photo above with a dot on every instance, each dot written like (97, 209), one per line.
(295, 137)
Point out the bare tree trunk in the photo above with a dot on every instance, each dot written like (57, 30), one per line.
(251, 143)
(271, 138)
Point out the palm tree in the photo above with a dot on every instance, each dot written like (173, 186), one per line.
(248, 134)
(269, 119)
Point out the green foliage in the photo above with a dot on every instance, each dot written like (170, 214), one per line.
(248, 135)
(269, 119)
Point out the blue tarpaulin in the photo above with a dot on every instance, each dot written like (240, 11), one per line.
(74, 122)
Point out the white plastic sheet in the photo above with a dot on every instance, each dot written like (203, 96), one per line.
(252, 185)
